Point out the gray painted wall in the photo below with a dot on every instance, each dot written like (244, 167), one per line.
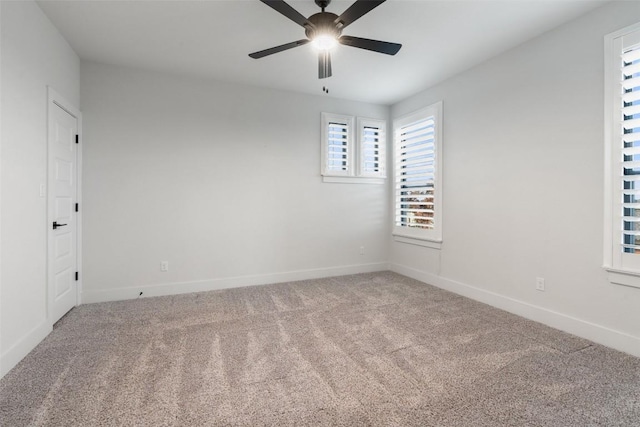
(34, 56)
(523, 183)
(220, 180)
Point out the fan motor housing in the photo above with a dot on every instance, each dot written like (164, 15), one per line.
(323, 3)
(324, 24)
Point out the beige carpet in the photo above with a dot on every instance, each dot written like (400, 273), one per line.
(371, 349)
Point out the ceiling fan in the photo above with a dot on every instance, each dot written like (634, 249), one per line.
(324, 30)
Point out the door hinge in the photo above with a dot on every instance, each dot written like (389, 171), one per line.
(76, 207)
(76, 276)
(77, 139)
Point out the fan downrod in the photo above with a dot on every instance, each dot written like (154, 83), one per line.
(323, 3)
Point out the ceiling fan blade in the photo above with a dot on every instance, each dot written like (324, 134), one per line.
(271, 51)
(356, 10)
(288, 11)
(324, 64)
(368, 44)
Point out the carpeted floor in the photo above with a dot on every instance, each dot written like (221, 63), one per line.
(370, 349)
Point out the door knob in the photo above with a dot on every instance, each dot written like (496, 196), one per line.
(56, 225)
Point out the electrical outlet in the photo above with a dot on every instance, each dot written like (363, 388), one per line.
(540, 283)
(361, 250)
(164, 266)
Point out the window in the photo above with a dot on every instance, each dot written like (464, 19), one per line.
(338, 151)
(622, 156)
(372, 142)
(418, 176)
(347, 160)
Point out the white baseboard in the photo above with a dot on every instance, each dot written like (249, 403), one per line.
(10, 358)
(600, 334)
(163, 289)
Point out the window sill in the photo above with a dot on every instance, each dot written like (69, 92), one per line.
(427, 243)
(353, 180)
(623, 277)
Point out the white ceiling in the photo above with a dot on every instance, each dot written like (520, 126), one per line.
(212, 39)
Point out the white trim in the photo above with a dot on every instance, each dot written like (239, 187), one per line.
(417, 241)
(623, 31)
(53, 97)
(353, 180)
(597, 333)
(163, 289)
(623, 277)
(10, 358)
(608, 147)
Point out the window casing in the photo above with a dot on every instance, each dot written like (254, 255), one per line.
(622, 156)
(418, 176)
(350, 153)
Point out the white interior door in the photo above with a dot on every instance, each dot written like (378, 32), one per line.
(62, 185)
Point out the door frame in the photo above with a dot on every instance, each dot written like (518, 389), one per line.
(54, 98)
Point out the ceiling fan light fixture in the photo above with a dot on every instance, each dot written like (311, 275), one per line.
(324, 31)
(324, 42)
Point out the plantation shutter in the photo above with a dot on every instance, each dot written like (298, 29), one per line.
(415, 172)
(338, 147)
(372, 139)
(353, 151)
(630, 144)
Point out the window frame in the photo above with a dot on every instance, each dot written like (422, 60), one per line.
(355, 173)
(326, 119)
(621, 269)
(381, 125)
(419, 236)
